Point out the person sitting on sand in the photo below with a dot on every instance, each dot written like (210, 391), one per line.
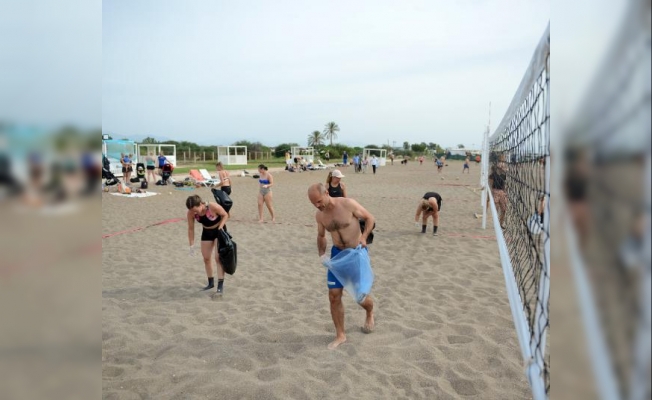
(429, 206)
(340, 216)
(213, 218)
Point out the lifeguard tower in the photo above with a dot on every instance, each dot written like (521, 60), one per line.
(232, 155)
(381, 155)
(308, 153)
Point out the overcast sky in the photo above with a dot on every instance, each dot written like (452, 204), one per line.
(215, 72)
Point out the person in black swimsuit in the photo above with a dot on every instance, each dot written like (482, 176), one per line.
(213, 218)
(576, 187)
(429, 206)
(498, 184)
(334, 184)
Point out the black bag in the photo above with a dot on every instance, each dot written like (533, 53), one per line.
(134, 180)
(222, 199)
(228, 251)
(143, 184)
(160, 183)
(370, 238)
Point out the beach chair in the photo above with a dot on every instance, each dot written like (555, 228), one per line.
(197, 178)
(208, 178)
(321, 165)
(316, 166)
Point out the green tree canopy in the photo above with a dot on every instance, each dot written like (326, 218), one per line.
(330, 131)
(316, 139)
(283, 147)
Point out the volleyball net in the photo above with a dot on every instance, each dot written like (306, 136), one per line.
(516, 179)
(606, 178)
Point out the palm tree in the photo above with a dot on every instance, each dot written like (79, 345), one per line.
(315, 139)
(329, 131)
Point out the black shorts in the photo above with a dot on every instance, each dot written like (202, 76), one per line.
(150, 168)
(124, 169)
(226, 189)
(209, 235)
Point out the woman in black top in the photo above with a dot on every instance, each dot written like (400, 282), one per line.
(429, 205)
(336, 188)
(213, 218)
(498, 184)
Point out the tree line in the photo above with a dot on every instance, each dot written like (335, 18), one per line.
(316, 139)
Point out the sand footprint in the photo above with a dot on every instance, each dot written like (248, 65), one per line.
(112, 372)
(269, 374)
(463, 387)
(453, 339)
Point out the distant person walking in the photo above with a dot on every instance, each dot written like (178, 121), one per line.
(225, 178)
(466, 166)
(265, 183)
(374, 163)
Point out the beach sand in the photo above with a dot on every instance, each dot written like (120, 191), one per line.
(443, 324)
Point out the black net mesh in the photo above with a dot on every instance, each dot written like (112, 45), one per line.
(517, 178)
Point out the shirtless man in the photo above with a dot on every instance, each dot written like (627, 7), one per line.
(340, 216)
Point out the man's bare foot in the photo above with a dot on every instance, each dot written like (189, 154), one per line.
(369, 324)
(273, 220)
(338, 341)
(260, 221)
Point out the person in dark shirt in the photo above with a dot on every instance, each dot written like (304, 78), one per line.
(334, 184)
(498, 186)
(429, 206)
(212, 217)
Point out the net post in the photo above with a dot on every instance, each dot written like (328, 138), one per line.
(642, 347)
(484, 176)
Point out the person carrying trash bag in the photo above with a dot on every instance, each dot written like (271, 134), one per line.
(212, 217)
(340, 216)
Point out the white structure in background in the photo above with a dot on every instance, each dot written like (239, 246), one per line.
(381, 155)
(462, 152)
(113, 148)
(232, 155)
(308, 153)
(169, 151)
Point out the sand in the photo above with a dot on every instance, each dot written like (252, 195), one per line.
(443, 323)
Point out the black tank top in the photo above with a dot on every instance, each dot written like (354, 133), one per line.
(335, 191)
(430, 195)
(205, 220)
(498, 181)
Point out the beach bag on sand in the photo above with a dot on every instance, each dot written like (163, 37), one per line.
(223, 199)
(228, 251)
(370, 238)
(352, 268)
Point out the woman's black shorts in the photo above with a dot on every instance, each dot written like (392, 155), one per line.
(209, 235)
